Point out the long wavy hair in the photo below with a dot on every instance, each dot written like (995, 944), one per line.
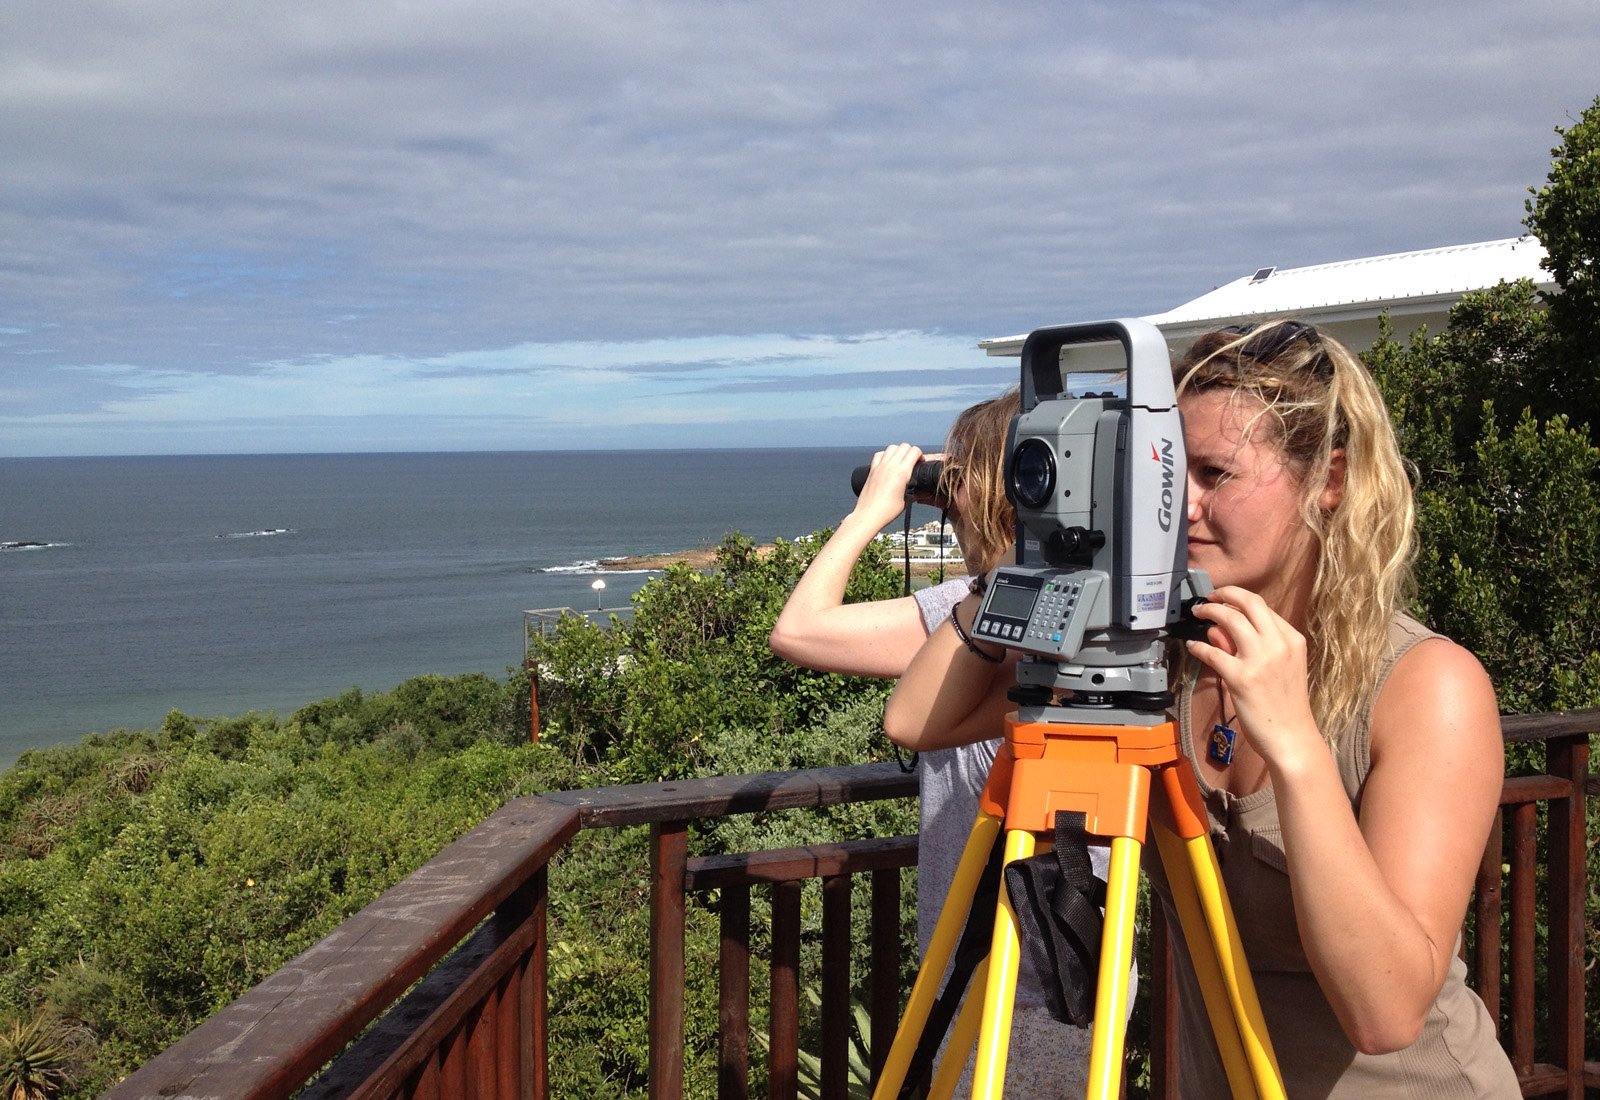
(975, 456)
(1311, 396)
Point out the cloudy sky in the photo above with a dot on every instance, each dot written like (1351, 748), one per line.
(322, 225)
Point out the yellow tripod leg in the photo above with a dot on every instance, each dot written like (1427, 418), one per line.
(941, 946)
(1116, 966)
(1220, 965)
(963, 1036)
(1235, 967)
(1000, 990)
(1192, 922)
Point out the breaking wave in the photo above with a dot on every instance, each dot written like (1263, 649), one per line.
(585, 568)
(268, 533)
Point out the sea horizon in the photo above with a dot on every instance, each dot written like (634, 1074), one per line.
(868, 448)
(217, 585)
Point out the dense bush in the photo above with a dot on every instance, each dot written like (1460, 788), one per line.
(658, 697)
(148, 878)
(1498, 415)
(689, 687)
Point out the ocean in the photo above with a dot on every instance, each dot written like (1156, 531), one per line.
(217, 585)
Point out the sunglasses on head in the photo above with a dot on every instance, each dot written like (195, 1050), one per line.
(1272, 339)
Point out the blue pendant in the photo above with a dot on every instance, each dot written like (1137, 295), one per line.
(1220, 750)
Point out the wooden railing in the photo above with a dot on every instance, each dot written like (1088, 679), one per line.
(467, 936)
(1505, 901)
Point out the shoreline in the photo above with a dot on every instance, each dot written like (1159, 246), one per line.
(705, 559)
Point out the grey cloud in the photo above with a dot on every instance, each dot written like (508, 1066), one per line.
(447, 145)
(641, 369)
(668, 368)
(474, 371)
(994, 377)
(28, 390)
(459, 176)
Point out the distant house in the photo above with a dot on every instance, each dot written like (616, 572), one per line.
(932, 539)
(1348, 297)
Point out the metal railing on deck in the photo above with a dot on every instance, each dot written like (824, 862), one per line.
(476, 1024)
(541, 622)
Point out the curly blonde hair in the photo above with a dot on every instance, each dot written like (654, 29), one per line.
(1316, 398)
(975, 457)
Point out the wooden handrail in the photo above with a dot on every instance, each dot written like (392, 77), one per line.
(474, 1023)
(275, 1037)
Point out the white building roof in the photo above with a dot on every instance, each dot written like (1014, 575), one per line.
(1347, 297)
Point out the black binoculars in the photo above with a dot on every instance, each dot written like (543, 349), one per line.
(924, 479)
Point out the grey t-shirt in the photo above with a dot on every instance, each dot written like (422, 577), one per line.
(950, 781)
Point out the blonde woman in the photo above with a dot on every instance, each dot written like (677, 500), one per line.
(1351, 759)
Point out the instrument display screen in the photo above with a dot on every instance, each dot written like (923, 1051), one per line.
(1014, 601)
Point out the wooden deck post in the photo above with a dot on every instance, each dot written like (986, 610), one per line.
(669, 849)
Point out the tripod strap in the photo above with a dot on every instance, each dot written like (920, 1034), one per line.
(971, 949)
(1058, 904)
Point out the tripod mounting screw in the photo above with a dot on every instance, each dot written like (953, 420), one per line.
(1029, 695)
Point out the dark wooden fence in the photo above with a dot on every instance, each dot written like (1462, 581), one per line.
(451, 962)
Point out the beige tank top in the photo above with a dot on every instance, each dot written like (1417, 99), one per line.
(1457, 1054)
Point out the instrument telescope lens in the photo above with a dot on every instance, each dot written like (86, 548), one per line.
(1033, 473)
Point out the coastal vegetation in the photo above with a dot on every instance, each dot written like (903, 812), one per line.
(148, 877)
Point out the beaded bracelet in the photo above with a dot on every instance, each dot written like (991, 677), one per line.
(955, 623)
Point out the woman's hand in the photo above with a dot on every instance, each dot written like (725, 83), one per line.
(1261, 659)
(883, 497)
(816, 628)
(1379, 899)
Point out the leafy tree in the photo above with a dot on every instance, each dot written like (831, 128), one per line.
(1565, 215)
(1497, 413)
(650, 699)
(690, 687)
